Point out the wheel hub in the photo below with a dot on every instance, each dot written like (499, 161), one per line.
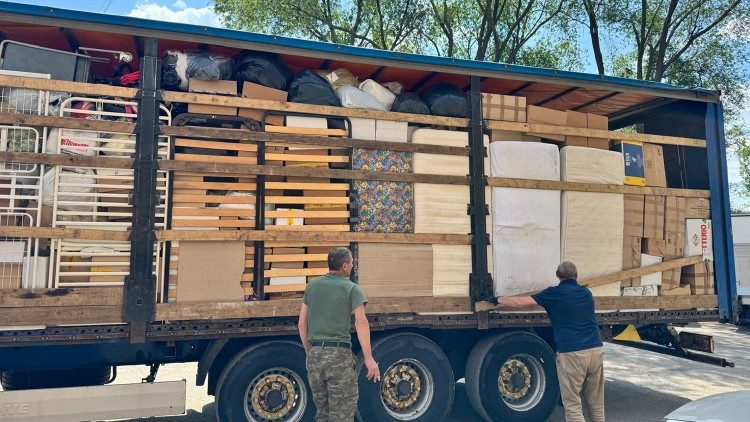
(514, 380)
(272, 397)
(401, 387)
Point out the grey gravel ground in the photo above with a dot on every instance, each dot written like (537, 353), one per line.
(640, 385)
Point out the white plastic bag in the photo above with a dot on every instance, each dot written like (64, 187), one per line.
(78, 177)
(383, 95)
(352, 97)
(76, 142)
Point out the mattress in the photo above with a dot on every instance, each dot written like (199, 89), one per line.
(442, 209)
(384, 207)
(526, 222)
(592, 223)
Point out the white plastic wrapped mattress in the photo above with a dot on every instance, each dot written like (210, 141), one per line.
(526, 222)
(592, 223)
(442, 208)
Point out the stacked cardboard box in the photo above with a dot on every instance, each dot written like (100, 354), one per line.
(700, 278)
(228, 88)
(572, 119)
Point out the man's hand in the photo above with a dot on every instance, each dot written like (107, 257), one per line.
(373, 373)
(486, 304)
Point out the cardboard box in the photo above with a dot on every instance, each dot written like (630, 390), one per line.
(641, 291)
(307, 122)
(653, 158)
(287, 221)
(504, 135)
(653, 279)
(213, 87)
(363, 129)
(699, 238)
(632, 155)
(547, 116)
(655, 247)
(391, 131)
(507, 108)
(109, 268)
(211, 272)
(700, 278)
(631, 258)
(634, 208)
(697, 208)
(260, 92)
(395, 270)
(653, 217)
(674, 215)
(596, 121)
(670, 279)
(576, 119)
(675, 245)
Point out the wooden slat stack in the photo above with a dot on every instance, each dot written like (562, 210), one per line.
(202, 201)
(303, 204)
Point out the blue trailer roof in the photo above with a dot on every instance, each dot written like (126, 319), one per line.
(123, 24)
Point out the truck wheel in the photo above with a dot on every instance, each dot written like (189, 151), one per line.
(265, 382)
(55, 378)
(416, 381)
(512, 377)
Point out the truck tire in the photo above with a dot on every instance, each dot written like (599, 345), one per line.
(266, 381)
(55, 378)
(512, 377)
(416, 381)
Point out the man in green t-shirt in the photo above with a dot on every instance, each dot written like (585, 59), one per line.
(324, 324)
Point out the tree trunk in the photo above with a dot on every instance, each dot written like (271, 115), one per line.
(594, 33)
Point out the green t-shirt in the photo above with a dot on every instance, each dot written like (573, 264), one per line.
(330, 300)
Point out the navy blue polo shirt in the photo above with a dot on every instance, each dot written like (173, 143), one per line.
(570, 307)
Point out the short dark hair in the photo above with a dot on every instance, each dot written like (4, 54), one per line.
(337, 257)
(567, 270)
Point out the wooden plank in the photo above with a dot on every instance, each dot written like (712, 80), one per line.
(66, 160)
(308, 158)
(307, 186)
(215, 159)
(251, 169)
(195, 98)
(213, 223)
(306, 131)
(70, 87)
(214, 212)
(304, 238)
(284, 288)
(229, 146)
(594, 187)
(29, 298)
(609, 303)
(290, 308)
(228, 134)
(294, 272)
(310, 228)
(214, 199)
(215, 185)
(295, 258)
(594, 133)
(641, 271)
(343, 200)
(307, 214)
(63, 233)
(61, 315)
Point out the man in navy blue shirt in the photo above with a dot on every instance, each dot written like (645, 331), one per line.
(580, 367)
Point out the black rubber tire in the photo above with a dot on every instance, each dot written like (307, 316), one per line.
(55, 378)
(246, 365)
(483, 367)
(389, 350)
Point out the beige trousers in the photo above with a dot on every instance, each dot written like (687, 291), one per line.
(581, 377)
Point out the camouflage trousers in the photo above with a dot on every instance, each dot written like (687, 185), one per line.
(333, 380)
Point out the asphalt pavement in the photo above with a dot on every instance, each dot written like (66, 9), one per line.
(639, 385)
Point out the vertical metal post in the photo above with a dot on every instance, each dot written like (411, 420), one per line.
(139, 304)
(721, 219)
(260, 224)
(480, 281)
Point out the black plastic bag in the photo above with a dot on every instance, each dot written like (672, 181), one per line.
(409, 102)
(446, 100)
(264, 69)
(178, 68)
(309, 88)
